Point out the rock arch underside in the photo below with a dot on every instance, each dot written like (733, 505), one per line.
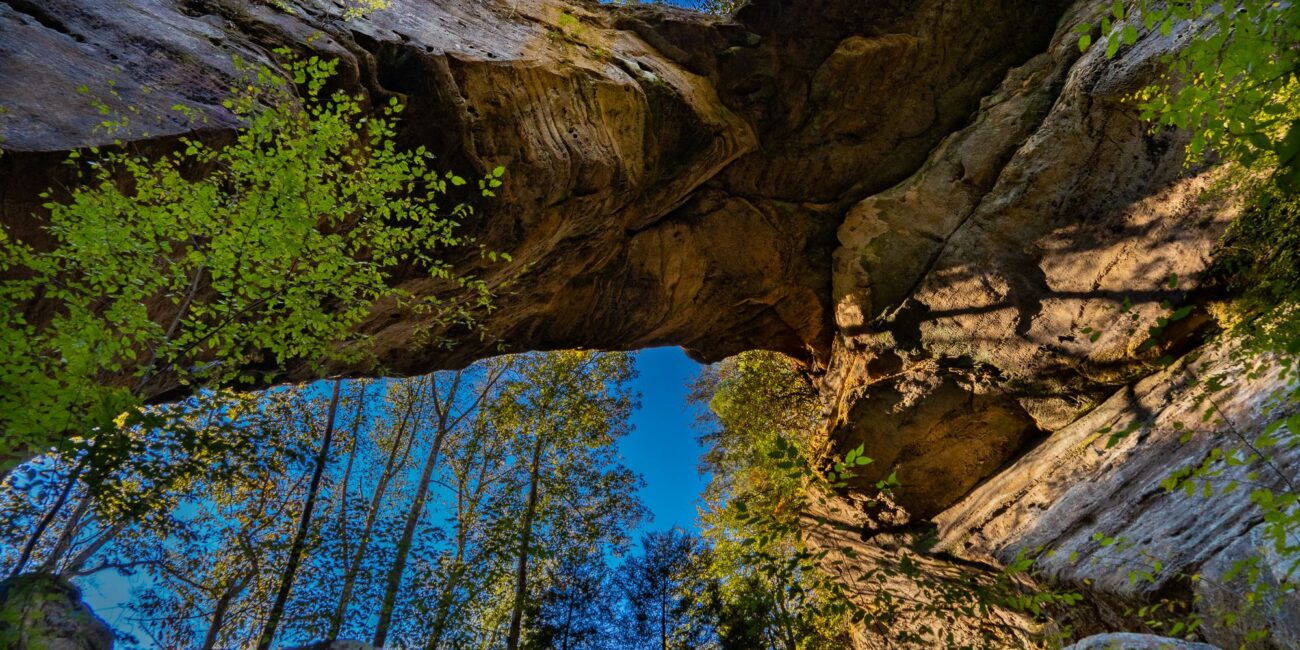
(924, 202)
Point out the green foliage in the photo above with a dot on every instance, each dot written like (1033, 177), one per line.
(30, 611)
(204, 524)
(190, 268)
(1254, 463)
(765, 478)
(360, 8)
(1261, 339)
(786, 564)
(666, 591)
(1259, 263)
(1235, 87)
(566, 410)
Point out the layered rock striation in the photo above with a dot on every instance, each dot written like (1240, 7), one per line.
(639, 140)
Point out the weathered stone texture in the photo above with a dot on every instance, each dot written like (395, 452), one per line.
(639, 141)
(985, 272)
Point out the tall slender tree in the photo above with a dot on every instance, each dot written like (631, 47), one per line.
(273, 545)
(406, 402)
(447, 417)
(567, 407)
(664, 588)
(481, 482)
(304, 523)
(576, 609)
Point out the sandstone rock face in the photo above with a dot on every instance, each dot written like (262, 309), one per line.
(1087, 479)
(42, 611)
(943, 209)
(639, 141)
(922, 599)
(988, 305)
(984, 273)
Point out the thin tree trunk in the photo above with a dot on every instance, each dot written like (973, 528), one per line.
(304, 523)
(218, 620)
(413, 514)
(223, 607)
(466, 510)
(445, 424)
(30, 546)
(352, 565)
(69, 532)
(444, 607)
(663, 615)
(354, 430)
(568, 622)
(85, 554)
(521, 568)
(372, 515)
(344, 551)
(787, 634)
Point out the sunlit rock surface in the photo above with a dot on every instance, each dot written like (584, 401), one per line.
(1083, 481)
(965, 296)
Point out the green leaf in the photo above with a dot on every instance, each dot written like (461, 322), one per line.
(1258, 140)
(1287, 178)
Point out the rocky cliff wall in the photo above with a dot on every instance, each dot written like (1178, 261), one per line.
(930, 204)
(991, 312)
(640, 141)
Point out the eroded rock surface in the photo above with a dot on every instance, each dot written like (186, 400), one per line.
(987, 306)
(640, 142)
(984, 274)
(1092, 477)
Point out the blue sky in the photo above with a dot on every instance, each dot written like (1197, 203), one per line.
(663, 448)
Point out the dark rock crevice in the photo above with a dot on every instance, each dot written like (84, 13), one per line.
(45, 18)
